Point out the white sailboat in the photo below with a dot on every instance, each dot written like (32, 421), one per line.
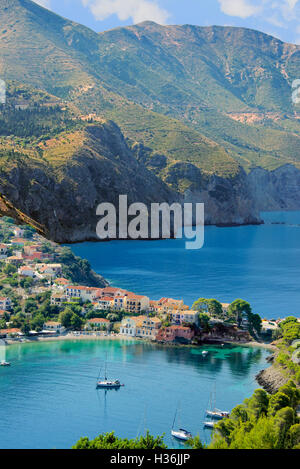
(180, 433)
(213, 412)
(107, 383)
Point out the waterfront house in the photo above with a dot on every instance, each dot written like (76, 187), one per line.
(180, 317)
(54, 327)
(5, 303)
(135, 304)
(10, 332)
(97, 324)
(32, 249)
(128, 326)
(147, 327)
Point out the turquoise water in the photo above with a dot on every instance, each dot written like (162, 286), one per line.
(260, 264)
(49, 400)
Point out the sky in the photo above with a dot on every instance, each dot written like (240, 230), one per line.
(279, 18)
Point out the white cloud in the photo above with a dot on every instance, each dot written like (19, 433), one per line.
(240, 8)
(138, 10)
(43, 3)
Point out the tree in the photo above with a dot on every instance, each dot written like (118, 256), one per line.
(239, 308)
(25, 328)
(76, 322)
(10, 269)
(111, 441)
(65, 318)
(201, 305)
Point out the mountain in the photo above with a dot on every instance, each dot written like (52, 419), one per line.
(166, 113)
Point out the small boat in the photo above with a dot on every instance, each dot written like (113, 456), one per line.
(217, 414)
(209, 423)
(204, 353)
(107, 383)
(4, 363)
(180, 434)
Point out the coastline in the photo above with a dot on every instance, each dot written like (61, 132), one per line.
(95, 337)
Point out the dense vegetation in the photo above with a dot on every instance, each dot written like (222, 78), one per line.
(111, 441)
(237, 312)
(262, 422)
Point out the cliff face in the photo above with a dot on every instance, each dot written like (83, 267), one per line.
(275, 190)
(62, 197)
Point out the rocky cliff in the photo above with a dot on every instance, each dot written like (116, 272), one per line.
(61, 196)
(275, 190)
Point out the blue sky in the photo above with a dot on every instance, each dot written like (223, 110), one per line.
(280, 18)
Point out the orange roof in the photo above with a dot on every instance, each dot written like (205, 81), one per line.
(105, 298)
(19, 240)
(133, 296)
(95, 320)
(63, 281)
(9, 331)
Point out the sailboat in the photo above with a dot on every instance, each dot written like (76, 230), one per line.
(213, 412)
(180, 434)
(107, 383)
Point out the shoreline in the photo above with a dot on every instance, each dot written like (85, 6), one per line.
(93, 337)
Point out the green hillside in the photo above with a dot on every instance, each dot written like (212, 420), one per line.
(214, 96)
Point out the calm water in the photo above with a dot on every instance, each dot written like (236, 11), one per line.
(49, 400)
(260, 264)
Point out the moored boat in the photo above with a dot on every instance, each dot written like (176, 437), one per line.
(4, 363)
(181, 434)
(107, 383)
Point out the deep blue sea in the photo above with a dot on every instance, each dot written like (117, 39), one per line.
(49, 400)
(260, 264)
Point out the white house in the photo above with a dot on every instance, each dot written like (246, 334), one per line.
(55, 327)
(26, 271)
(85, 293)
(5, 303)
(3, 250)
(179, 317)
(19, 232)
(128, 327)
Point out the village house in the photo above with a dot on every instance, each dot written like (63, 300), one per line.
(175, 333)
(119, 303)
(50, 270)
(26, 271)
(18, 232)
(147, 327)
(3, 313)
(140, 326)
(53, 326)
(82, 292)
(135, 304)
(113, 292)
(3, 250)
(19, 242)
(180, 317)
(5, 303)
(15, 260)
(10, 332)
(128, 326)
(31, 249)
(97, 324)
(58, 299)
(61, 282)
(105, 303)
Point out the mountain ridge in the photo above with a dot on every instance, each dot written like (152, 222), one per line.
(198, 109)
